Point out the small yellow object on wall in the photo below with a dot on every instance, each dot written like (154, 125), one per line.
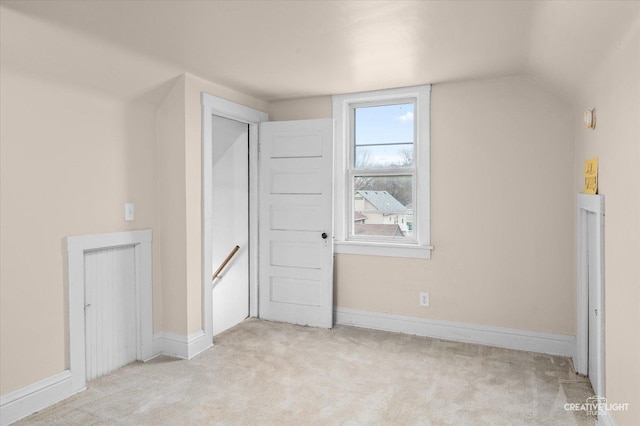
(591, 176)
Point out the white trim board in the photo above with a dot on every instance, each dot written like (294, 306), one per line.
(19, 404)
(548, 343)
(180, 346)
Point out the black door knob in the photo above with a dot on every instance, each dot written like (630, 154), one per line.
(324, 235)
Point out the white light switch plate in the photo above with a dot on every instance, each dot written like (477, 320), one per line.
(129, 212)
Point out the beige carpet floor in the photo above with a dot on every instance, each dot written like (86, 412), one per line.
(263, 373)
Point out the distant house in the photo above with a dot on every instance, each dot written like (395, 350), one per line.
(376, 229)
(380, 208)
(358, 217)
(409, 217)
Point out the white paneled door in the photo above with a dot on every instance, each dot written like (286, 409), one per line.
(593, 304)
(296, 229)
(110, 310)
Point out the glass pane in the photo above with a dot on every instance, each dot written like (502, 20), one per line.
(383, 206)
(384, 136)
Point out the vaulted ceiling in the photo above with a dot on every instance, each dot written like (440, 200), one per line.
(277, 50)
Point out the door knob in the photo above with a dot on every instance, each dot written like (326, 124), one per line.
(324, 235)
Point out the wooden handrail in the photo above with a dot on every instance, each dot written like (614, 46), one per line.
(224, 263)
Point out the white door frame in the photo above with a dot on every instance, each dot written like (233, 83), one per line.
(212, 105)
(590, 204)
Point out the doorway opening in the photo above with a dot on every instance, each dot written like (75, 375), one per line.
(236, 119)
(230, 222)
(295, 261)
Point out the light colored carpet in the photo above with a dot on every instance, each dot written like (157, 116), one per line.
(263, 373)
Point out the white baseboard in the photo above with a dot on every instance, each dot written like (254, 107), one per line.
(548, 343)
(34, 397)
(198, 343)
(180, 346)
(156, 344)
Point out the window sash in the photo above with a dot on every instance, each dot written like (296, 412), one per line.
(353, 171)
(351, 161)
(351, 235)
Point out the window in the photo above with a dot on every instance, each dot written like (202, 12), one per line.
(382, 172)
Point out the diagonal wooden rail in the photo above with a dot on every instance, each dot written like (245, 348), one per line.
(224, 263)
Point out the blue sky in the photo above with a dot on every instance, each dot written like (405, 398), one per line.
(383, 124)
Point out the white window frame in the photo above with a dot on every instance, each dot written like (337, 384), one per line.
(420, 246)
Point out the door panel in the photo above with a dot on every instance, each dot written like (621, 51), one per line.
(296, 181)
(296, 254)
(230, 222)
(593, 299)
(110, 310)
(296, 217)
(296, 262)
(296, 145)
(296, 291)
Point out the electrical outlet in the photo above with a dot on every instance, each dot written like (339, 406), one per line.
(424, 299)
(129, 212)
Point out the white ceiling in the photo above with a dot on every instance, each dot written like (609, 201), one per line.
(277, 50)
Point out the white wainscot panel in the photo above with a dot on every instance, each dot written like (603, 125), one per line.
(110, 309)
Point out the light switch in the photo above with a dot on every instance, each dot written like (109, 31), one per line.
(129, 212)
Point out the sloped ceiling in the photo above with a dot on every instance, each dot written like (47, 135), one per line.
(276, 50)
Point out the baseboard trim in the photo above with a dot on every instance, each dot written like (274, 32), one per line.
(181, 346)
(548, 343)
(34, 397)
(198, 343)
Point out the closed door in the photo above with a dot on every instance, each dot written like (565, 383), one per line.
(230, 222)
(296, 248)
(592, 259)
(110, 310)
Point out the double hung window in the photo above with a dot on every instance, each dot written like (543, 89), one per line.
(382, 172)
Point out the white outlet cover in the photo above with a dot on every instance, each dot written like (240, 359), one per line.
(129, 212)
(424, 299)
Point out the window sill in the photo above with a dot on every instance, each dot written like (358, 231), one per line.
(382, 249)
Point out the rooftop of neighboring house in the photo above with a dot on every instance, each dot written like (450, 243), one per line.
(377, 229)
(359, 217)
(383, 201)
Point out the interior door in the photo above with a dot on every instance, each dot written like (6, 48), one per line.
(110, 310)
(593, 305)
(230, 222)
(296, 222)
